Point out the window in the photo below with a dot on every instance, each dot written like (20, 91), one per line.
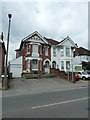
(35, 49)
(54, 52)
(67, 65)
(28, 48)
(53, 64)
(46, 51)
(28, 64)
(62, 51)
(41, 50)
(34, 64)
(62, 65)
(40, 65)
(67, 51)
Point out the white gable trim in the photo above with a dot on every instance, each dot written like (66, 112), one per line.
(37, 34)
(67, 38)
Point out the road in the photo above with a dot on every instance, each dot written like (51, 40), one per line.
(59, 104)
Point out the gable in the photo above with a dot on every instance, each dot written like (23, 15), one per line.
(68, 43)
(35, 37)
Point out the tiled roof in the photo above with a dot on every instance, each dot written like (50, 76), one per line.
(82, 51)
(51, 41)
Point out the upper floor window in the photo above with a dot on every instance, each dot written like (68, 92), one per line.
(28, 48)
(62, 51)
(67, 52)
(35, 49)
(41, 50)
(54, 52)
(46, 51)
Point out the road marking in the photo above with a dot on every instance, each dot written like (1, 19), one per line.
(59, 103)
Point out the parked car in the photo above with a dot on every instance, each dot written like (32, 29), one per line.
(83, 75)
(75, 76)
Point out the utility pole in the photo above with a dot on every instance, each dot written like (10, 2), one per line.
(5, 75)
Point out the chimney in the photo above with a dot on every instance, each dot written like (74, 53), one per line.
(1, 36)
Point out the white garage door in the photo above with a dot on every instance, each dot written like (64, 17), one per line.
(16, 70)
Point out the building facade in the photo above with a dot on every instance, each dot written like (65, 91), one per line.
(62, 54)
(81, 55)
(40, 54)
(36, 53)
(2, 54)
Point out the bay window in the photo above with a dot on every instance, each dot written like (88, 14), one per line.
(67, 65)
(62, 65)
(67, 52)
(54, 52)
(34, 64)
(28, 48)
(62, 51)
(28, 64)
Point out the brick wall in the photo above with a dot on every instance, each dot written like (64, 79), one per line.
(2, 59)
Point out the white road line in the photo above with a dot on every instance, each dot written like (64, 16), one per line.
(59, 103)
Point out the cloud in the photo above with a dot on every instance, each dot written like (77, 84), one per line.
(51, 19)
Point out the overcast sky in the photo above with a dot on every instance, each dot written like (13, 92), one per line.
(53, 19)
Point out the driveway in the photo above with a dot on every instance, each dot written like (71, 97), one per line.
(19, 86)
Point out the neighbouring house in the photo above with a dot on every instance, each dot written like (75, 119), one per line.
(81, 57)
(2, 54)
(15, 67)
(62, 53)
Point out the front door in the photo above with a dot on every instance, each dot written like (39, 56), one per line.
(47, 67)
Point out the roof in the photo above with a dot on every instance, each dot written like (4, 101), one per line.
(65, 39)
(51, 41)
(82, 51)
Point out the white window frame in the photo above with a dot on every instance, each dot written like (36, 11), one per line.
(67, 51)
(54, 52)
(62, 51)
(68, 65)
(35, 50)
(28, 64)
(28, 48)
(62, 65)
(35, 64)
(46, 51)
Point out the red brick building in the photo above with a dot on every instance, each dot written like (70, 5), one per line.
(2, 54)
(36, 53)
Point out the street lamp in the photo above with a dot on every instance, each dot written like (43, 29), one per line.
(5, 75)
(72, 66)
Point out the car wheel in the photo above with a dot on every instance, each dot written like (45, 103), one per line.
(83, 78)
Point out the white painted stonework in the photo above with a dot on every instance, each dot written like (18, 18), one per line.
(66, 43)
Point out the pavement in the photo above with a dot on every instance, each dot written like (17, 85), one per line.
(21, 86)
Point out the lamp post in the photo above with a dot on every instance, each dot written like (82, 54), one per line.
(5, 75)
(73, 80)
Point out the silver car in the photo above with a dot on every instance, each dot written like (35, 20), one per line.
(84, 75)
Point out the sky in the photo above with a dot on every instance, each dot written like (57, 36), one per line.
(53, 19)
